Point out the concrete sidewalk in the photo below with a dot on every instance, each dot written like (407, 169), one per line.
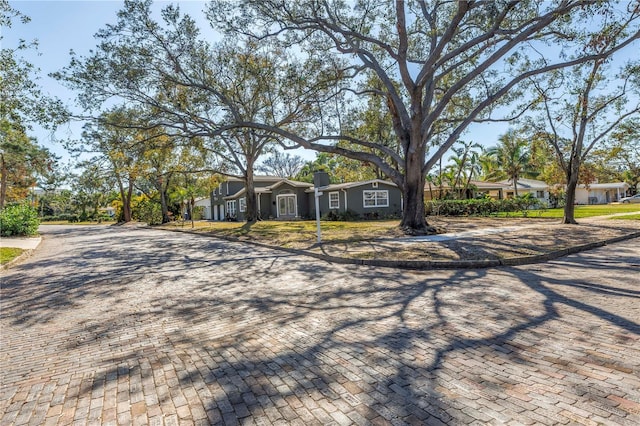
(28, 244)
(24, 243)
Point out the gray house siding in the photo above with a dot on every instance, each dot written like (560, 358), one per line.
(352, 199)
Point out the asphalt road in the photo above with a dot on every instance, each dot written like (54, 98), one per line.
(119, 325)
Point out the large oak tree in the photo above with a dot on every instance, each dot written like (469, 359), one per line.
(440, 66)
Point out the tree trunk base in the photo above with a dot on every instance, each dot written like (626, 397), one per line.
(426, 230)
(567, 221)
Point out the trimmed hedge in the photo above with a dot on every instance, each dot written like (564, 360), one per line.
(482, 207)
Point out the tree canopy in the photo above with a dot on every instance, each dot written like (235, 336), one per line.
(438, 66)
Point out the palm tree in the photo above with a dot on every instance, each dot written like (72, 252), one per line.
(464, 166)
(512, 159)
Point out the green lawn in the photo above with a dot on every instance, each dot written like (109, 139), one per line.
(7, 254)
(588, 211)
(628, 217)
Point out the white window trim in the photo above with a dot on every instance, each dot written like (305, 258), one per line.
(242, 205)
(334, 204)
(375, 198)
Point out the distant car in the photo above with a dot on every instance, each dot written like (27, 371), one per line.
(632, 199)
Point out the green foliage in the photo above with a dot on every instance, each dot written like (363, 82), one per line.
(483, 207)
(334, 216)
(72, 217)
(146, 210)
(18, 219)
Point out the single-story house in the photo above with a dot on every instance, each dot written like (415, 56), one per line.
(537, 188)
(279, 198)
(601, 193)
(369, 199)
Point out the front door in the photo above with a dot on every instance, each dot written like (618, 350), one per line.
(287, 206)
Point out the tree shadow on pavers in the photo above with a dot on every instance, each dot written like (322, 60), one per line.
(387, 349)
(49, 284)
(326, 356)
(621, 259)
(312, 341)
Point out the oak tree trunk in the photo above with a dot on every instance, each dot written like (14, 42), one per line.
(570, 196)
(251, 213)
(413, 221)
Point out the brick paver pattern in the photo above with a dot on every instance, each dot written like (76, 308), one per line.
(132, 326)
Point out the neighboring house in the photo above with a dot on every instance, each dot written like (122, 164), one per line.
(537, 188)
(601, 193)
(495, 190)
(279, 198)
(369, 199)
(205, 203)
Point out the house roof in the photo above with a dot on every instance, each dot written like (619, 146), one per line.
(526, 184)
(268, 189)
(610, 185)
(347, 185)
(294, 183)
(259, 190)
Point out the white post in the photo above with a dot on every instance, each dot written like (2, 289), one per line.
(317, 197)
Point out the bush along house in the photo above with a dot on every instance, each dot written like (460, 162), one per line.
(284, 199)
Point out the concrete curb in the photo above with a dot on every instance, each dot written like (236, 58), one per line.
(430, 264)
(25, 255)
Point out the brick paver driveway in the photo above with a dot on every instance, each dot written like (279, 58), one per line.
(133, 326)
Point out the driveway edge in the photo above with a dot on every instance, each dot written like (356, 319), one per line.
(430, 264)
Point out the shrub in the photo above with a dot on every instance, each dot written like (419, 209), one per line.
(18, 220)
(482, 206)
(347, 216)
(146, 210)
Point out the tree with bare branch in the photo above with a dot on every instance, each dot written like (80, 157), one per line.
(580, 106)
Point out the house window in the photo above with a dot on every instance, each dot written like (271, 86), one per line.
(375, 199)
(231, 208)
(242, 205)
(334, 200)
(539, 194)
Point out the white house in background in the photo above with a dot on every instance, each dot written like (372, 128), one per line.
(601, 193)
(538, 188)
(204, 202)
